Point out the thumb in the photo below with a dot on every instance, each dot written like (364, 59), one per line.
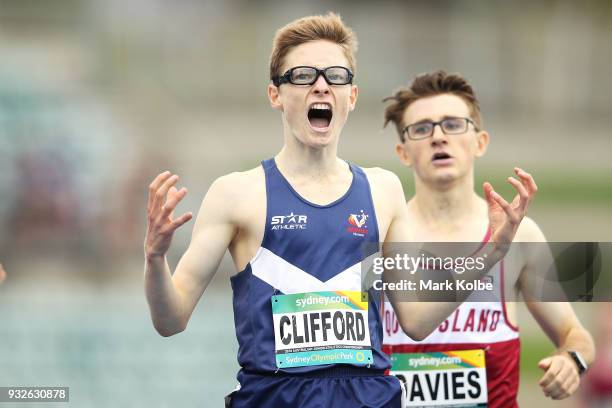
(545, 363)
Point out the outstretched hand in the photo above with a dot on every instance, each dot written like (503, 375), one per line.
(504, 217)
(161, 224)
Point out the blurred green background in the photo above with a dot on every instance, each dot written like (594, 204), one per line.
(97, 97)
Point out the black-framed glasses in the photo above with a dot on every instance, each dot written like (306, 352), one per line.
(450, 126)
(304, 75)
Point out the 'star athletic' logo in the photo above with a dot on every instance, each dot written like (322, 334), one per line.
(289, 222)
(357, 222)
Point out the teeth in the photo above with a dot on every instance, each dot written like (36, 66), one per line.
(325, 106)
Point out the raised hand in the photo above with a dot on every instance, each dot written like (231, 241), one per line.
(504, 217)
(161, 224)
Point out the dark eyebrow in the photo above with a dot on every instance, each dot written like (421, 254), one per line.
(429, 120)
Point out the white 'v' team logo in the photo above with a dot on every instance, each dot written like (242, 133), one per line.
(289, 222)
(357, 224)
(358, 220)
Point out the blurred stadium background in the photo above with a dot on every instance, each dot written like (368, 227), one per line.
(97, 97)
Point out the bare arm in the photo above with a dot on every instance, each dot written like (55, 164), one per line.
(419, 319)
(559, 322)
(173, 297)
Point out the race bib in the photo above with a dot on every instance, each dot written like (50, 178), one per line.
(442, 379)
(319, 328)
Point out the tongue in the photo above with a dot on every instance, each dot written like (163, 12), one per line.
(319, 122)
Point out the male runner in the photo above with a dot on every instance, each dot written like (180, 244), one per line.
(441, 135)
(295, 227)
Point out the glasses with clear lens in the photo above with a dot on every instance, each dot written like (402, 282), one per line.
(308, 75)
(450, 126)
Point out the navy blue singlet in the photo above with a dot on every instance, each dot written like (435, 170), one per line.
(306, 248)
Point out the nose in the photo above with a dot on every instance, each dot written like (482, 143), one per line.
(320, 86)
(438, 136)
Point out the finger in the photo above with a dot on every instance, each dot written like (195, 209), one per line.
(567, 387)
(550, 374)
(522, 193)
(527, 180)
(160, 194)
(161, 177)
(555, 389)
(547, 378)
(559, 394)
(573, 386)
(181, 220)
(171, 193)
(488, 189)
(545, 363)
(512, 216)
(519, 187)
(173, 201)
(562, 391)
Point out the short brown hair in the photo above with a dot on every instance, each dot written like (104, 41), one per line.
(426, 85)
(328, 27)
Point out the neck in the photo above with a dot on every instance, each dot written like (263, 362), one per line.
(449, 205)
(308, 164)
(299, 160)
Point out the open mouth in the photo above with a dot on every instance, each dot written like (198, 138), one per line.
(438, 157)
(320, 115)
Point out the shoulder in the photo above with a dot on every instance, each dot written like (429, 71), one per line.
(387, 194)
(235, 189)
(383, 180)
(529, 231)
(238, 183)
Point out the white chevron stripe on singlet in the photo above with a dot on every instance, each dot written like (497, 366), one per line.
(289, 279)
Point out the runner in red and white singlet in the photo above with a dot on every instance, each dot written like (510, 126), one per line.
(439, 124)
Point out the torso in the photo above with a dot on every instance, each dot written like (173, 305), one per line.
(294, 237)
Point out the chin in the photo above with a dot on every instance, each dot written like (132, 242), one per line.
(319, 139)
(445, 179)
(445, 176)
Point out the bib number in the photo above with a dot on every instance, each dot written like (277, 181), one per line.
(318, 328)
(442, 379)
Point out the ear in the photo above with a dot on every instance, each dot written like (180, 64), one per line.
(353, 97)
(482, 142)
(274, 97)
(403, 154)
